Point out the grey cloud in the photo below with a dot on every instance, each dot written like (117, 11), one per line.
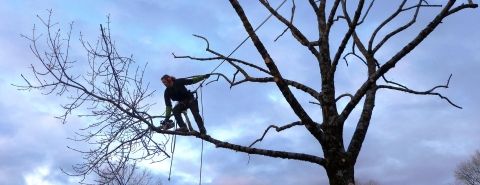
(32, 144)
(412, 139)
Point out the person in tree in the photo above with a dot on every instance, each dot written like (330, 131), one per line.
(177, 91)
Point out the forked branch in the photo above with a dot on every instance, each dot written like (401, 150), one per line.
(277, 128)
(431, 91)
(246, 76)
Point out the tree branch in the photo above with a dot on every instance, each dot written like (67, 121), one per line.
(344, 95)
(396, 58)
(361, 129)
(351, 28)
(247, 77)
(221, 57)
(278, 129)
(333, 11)
(249, 149)
(279, 80)
(114, 95)
(427, 92)
(291, 20)
(295, 32)
(399, 29)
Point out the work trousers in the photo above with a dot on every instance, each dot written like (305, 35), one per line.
(191, 104)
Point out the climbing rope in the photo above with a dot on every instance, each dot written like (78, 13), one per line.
(201, 154)
(172, 149)
(244, 40)
(201, 165)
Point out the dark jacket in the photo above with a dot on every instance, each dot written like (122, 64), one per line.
(178, 92)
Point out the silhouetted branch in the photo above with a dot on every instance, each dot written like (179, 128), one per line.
(344, 95)
(278, 129)
(114, 94)
(400, 9)
(366, 13)
(351, 28)
(427, 92)
(291, 20)
(240, 70)
(396, 58)
(297, 34)
(272, 67)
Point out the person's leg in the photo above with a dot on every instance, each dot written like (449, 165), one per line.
(177, 110)
(196, 115)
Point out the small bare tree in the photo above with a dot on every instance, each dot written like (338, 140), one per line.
(468, 172)
(114, 92)
(114, 173)
(111, 89)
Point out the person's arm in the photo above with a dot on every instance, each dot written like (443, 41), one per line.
(193, 80)
(168, 104)
(168, 112)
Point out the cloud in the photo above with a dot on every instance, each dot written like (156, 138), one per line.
(29, 139)
(44, 175)
(412, 139)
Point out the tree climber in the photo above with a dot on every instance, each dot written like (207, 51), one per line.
(177, 91)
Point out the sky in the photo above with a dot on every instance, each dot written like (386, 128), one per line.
(411, 140)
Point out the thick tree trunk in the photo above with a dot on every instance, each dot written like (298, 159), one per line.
(340, 175)
(339, 165)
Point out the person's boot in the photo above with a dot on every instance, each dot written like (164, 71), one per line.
(167, 125)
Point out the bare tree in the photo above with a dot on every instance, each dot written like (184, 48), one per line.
(109, 87)
(468, 172)
(116, 94)
(114, 173)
